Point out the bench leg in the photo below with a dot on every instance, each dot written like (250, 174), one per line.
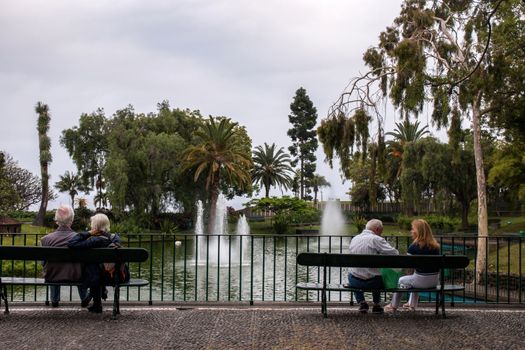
(47, 296)
(437, 302)
(115, 303)
(4, 297)
(323, 304)
(443, 305)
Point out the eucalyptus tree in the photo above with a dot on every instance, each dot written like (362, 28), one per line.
(222, 154)
(44, 143)
(445, 51)
(72, 184)
(303, 118)
(271, 167)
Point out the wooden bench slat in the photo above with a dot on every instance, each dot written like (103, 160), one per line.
(339, 288)
(61, 254)
(393, 261)
(31, 281)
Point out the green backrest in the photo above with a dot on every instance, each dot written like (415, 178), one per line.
(55, 254)
(395, 261)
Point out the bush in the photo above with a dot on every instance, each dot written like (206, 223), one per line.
(281, 223)
(81, 220)
(22, 215)
(438, 223)
(359, 222)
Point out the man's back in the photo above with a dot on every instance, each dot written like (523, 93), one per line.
(369, 243)
(60, 272)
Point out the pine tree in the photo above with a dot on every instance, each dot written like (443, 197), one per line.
(303, 118)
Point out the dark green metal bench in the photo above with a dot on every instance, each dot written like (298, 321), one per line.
(54, 254)
(327, 260)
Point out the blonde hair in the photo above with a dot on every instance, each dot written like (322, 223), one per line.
(424, 237)
(100, 222)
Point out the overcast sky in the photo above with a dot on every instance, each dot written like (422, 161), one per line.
(243, 59)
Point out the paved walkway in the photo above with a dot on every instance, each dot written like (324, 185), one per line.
(262, 326)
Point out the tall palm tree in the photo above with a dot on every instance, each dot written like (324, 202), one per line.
(271, 167)
(44, 143)
(219, 155)
(317, 182)
(71, 183)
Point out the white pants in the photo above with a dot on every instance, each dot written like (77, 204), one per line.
(414, 281)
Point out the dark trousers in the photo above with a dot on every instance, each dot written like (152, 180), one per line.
(371, 283)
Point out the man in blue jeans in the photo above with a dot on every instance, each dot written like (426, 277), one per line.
(369, 242)
(62, 272)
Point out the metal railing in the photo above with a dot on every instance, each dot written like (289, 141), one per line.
(263, 268)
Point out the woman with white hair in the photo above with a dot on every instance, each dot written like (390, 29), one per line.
(97, 237)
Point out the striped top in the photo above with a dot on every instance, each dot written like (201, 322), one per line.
(368, 242)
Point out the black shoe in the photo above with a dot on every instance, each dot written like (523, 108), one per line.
(377, 309)
(85, 302)
(363, 307)
(97, 309)
(54, 303)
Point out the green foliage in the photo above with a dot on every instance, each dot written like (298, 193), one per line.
(10, 197)
(167, 226)
(287, 210)
(87, 145)
(303, 118)
(359, 222)
(82, 219)
(439, 224)
(508, 170)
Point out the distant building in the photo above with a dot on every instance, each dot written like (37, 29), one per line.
(9, 225)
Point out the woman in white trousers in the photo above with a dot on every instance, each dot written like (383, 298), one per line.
(424, 244)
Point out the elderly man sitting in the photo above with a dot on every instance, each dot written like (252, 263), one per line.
(369, 242)
(62, 272)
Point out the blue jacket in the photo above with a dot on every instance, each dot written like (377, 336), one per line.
(92, 272)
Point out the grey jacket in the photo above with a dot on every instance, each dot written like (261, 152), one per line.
(60, 272)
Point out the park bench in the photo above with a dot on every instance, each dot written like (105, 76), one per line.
(328, 260)
(56, 254)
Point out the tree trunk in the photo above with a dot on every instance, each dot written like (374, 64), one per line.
(39, 220)
(213, 205)
(302, 179)
(465, 205)
(483, 231)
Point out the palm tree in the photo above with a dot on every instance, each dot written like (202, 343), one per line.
(220, 155)
(317, 182)
(405, 132)
(71, 183)
(271, 167)
(44, 143)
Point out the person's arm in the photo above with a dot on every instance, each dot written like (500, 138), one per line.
(383, 247)
(80, 240)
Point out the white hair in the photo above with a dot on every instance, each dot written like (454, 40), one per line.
(64, 215)
(374, 224)
(100, 222)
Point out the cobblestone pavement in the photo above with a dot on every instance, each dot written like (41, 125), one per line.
(263, 326)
